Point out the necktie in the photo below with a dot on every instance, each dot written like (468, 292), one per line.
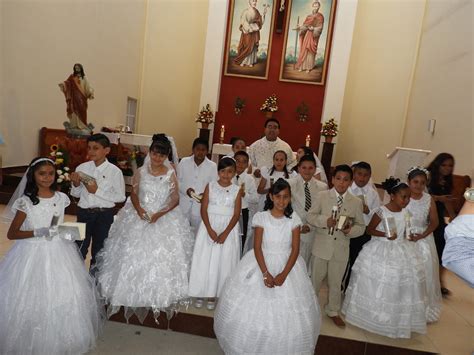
(237, 179)
(307, 197)
(339, 202)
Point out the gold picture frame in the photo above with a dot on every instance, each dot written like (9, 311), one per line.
(309, 27)
(249, 39)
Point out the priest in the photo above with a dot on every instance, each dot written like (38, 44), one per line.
(261, 151)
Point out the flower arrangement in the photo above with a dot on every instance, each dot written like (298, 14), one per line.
(303, 112)
(329, 128)
(130, 159)
(60, 158)
(205, 116)
(270, 104)
(239, 105)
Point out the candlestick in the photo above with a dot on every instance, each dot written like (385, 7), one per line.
(308, 140)
(221, 137)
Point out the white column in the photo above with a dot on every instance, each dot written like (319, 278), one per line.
(214, 55)
(339, 63)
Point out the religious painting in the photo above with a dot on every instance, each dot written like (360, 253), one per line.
(249, 38)
(307, 40)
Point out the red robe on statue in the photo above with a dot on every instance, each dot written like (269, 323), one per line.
(248, 41)
(76, 98)
(308, 40)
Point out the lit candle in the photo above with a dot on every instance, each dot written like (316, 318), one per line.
(222, 133)
(308, 140)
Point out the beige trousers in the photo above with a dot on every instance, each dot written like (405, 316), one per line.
(334, 271)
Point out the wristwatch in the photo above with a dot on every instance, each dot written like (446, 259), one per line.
(469, 194)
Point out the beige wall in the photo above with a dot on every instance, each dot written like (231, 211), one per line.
(40, 42)
(442, 86)
(384, 48)
(172, 69)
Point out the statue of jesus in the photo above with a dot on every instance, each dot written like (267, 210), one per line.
(77, 91)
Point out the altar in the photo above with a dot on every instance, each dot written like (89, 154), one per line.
(127, 150)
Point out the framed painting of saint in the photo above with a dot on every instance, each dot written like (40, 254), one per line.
(249, 39)
(307, 39)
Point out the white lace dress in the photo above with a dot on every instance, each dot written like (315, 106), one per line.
(145, 265)
(426, 247)
(387, 293)
(48, 301)
(212, 262)
(251, 318)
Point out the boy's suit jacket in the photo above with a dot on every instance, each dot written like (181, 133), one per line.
(298, 197)
(337, 245)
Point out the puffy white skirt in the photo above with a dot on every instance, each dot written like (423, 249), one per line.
(387, 291)
(251, 318)
(212, 263)
(48, 301)
(145, 265)
(426, 247)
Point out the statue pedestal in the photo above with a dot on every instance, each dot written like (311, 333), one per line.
(326, 158)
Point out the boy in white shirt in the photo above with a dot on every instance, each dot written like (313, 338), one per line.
(97, 196)
(194, 173)
(250, 195)
(361, 187)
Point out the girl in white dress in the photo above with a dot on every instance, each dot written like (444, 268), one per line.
(48, 301)
(386, 294)
(423, 221)
(145, 261)
(268, 306)
(217, 248)
(271, 174)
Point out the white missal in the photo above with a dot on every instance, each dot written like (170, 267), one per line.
(343, 222)
(72, 230)
(85, 178)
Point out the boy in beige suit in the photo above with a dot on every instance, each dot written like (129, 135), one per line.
(331, 245)
(304, 189)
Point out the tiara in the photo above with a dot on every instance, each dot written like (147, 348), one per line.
(419, 168)
(398, 184)
(41, 160)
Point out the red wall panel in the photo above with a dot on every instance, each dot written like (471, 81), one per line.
(249, 124)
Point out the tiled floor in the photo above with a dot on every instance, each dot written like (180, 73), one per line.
(452, 335)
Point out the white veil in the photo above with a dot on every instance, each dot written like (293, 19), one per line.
(8, 213)
(174, 152)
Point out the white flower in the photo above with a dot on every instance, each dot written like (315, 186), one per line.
(66, 168)
(53, 154)
(66, 176)
(59, 153)
(59, 180)
(59, 172)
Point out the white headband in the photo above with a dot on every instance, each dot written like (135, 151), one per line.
(420, 168)
(41, 160)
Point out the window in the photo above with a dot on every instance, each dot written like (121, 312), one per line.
(131, 116)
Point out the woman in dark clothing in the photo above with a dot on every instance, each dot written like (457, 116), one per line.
(440, 187)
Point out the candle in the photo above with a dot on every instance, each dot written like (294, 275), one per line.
(221, 138)
(308, 140)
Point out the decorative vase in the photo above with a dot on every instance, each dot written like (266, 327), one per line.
(328, 139)
(268, 114)
(204, 125)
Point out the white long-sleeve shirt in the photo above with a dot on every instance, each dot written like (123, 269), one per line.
(110, 186)
(196, 177)
(371, 198)
(251, 195)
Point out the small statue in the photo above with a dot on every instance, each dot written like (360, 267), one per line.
(77, 91)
